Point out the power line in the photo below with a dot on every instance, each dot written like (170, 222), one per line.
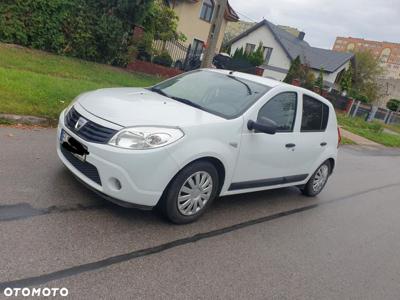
(247, 17)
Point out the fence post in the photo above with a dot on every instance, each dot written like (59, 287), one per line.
(356, 109)
(372, 113)
(387, 117)
(187, 57)
(349, 106)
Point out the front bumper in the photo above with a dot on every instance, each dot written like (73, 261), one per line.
(142, 175)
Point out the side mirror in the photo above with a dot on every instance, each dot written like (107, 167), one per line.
(265, 125)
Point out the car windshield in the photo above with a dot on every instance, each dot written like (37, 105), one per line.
(221, 94)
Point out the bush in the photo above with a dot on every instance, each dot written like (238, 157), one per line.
(256, 58)
(357, 96)
(393, 104)
(163, 59)
(88, 29)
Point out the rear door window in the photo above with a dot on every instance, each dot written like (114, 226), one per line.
(315, 115)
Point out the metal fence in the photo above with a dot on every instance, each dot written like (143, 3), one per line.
(183, 58)
(339, 102)
(354, 108)
(176, 50)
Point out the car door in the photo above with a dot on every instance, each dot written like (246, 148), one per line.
(267, 160)
(313, 137)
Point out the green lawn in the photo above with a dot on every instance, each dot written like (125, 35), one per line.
(395, 128)
(370, 130)
(346, 141)
(42, 84)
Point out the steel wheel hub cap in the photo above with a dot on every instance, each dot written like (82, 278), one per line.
(320, 178)
(195, 193)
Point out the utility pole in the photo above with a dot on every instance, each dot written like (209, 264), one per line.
(216, 24)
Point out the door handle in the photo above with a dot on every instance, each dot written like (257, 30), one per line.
(290, 145)
(323, 144)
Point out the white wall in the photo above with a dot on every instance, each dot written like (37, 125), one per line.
(278, 58)
(331, 77)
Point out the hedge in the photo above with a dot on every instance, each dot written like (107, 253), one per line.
(96, 30)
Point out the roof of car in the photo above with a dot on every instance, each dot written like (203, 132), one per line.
(270, 82)
(258, 79)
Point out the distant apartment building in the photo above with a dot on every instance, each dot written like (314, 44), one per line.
(387, 53)
(389, 57)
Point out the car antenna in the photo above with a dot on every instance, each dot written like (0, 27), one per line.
(231, 72)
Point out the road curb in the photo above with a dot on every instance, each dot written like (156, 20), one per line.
(28, 120)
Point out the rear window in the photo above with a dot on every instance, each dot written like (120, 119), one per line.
(315, 115)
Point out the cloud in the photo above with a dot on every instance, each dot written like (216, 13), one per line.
(324, 20)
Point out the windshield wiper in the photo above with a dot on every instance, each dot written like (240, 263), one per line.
(182, 100)
(188, 102)
(242, 82)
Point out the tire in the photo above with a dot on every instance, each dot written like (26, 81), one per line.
(190, 193)
(318, 180)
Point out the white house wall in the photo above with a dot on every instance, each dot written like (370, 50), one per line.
(330, 78)
(279, 62)
(278, 58)
(274, 74)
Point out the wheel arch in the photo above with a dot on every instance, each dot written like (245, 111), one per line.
(332, 163)
(214, 161)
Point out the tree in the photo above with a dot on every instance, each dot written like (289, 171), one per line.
(307, 77)
(320, 80)
(366, 74)
(393, 104)
(257, 57)
(346, 80)
(161, 22)
(239, 53)
(294, 71)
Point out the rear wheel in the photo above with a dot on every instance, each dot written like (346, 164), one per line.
(318, 180)
(190, 193)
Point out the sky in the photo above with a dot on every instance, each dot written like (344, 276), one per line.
(323, 20)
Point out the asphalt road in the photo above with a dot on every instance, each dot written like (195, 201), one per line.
(278, 244)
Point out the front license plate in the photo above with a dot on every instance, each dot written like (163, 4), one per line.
(65, 142)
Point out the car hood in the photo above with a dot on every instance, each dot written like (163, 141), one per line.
(138, 106)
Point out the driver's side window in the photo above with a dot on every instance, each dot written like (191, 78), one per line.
(282, 110)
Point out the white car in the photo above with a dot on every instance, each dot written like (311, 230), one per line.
(207, 133)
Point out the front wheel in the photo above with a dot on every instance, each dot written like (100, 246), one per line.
(190, 193)
(318, 180)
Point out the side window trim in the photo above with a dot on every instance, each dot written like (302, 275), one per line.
(294, 114)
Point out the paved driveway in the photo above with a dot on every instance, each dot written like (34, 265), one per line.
(275, 244)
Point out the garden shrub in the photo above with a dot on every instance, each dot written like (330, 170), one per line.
(89, 29)
(163, 59)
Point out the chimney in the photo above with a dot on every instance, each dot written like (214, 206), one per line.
(301, 35)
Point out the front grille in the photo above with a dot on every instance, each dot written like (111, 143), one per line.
(91, 132)
(84, 167)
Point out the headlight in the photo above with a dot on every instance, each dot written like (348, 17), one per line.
(141, 138)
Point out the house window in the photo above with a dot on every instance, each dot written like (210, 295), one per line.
(267, 54)
(207, 10)
(250, 48)
(197, 47)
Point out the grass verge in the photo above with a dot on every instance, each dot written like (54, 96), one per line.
(41, 84)
(346, 141)
(369, 130)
